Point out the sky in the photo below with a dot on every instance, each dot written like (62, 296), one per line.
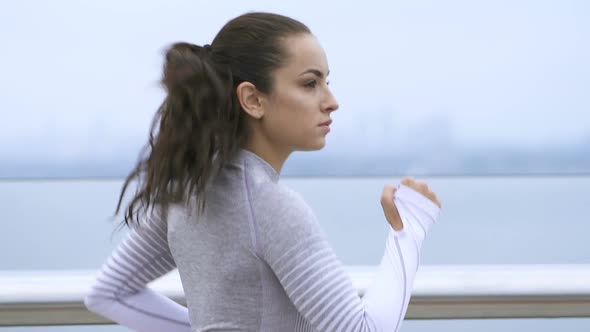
(80, 78)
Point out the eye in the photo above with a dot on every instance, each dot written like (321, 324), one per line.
(311, 84)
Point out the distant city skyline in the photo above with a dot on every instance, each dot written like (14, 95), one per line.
(417, 75)
(428, 160)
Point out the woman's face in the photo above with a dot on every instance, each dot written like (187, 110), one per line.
(300, 100)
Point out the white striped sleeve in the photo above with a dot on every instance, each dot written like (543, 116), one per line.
(313, 277)
(120, 292)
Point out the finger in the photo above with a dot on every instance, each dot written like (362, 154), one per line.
(408, 181)
(436, 200)
(432, 196)
(422, 187)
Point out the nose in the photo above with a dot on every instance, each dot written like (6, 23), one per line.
(330, 103)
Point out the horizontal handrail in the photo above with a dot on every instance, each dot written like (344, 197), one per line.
(30, 298)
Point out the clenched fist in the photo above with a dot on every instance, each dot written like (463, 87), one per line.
(389, 208)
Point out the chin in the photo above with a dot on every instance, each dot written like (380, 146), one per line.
(312, 146)
(318, 145)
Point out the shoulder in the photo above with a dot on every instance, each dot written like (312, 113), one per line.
(277, 195)
(272, 202)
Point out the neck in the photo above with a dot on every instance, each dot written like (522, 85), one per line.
(272, 155)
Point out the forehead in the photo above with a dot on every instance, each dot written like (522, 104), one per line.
(303, 52)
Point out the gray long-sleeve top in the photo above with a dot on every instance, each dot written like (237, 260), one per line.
(256, 260)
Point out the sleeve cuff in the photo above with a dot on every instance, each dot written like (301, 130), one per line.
(410, 196)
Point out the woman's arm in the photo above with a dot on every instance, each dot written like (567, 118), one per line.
(387, 299)
(314, 278)
(120, 292)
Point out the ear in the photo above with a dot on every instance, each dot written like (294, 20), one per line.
(250, 99)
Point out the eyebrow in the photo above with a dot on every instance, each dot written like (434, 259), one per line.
(316, 72)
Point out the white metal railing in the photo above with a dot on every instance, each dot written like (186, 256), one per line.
(454, 292)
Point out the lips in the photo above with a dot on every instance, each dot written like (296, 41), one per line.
(327, 123)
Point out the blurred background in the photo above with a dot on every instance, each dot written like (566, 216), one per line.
(486, 100)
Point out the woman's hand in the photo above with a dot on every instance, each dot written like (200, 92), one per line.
(389, 208)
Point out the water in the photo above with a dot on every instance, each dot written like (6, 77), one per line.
(65, 224)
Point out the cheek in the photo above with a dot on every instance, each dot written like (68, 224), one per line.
(292, 120)
(300, 106)
(286, 122)
(297, 113)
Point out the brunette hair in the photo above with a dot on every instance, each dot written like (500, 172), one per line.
(200, 124)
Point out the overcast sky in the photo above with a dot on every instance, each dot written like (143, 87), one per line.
(79, 78)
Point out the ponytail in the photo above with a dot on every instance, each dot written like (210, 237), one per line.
(200, 125)
(199, 130)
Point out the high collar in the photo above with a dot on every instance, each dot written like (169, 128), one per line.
(258, 162)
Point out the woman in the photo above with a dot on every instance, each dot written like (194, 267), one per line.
(249, 251)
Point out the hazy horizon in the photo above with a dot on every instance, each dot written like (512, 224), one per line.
(452, 86)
